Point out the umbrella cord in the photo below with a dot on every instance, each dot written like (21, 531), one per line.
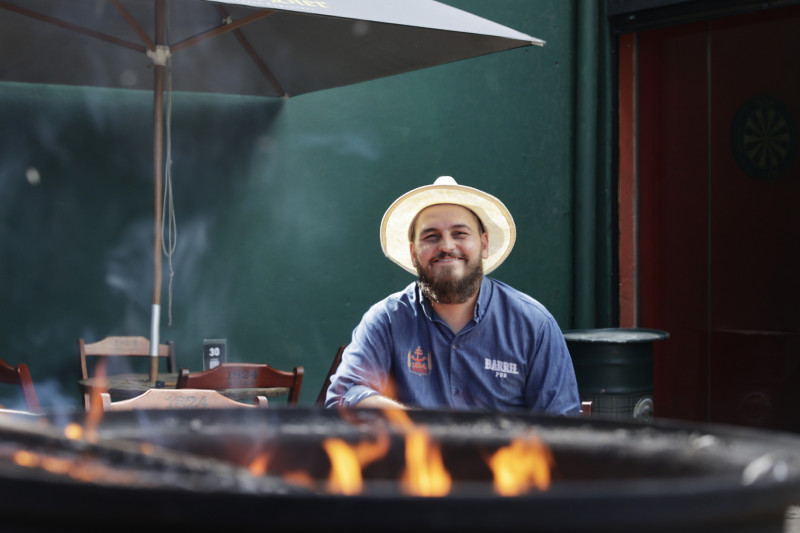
(168, 206)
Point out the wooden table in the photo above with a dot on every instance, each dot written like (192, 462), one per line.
(124, 386)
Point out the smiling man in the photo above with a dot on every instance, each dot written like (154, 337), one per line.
(455, 338)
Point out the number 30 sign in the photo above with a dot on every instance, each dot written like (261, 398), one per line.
(213, 353)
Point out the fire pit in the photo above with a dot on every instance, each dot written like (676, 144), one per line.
(243, 468)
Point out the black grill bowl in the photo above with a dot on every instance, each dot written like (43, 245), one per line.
(608, 475)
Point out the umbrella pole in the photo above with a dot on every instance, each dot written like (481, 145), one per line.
(158, 141)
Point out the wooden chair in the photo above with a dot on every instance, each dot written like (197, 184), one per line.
(327, 383)
(117, 347)
(228, 377)
(177, 399)
(20, 376)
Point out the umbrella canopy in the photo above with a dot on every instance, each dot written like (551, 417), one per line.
(255, 47)
(278, 48)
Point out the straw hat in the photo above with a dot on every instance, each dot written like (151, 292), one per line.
(493, 214)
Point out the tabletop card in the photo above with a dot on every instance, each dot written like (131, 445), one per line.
(213, 353)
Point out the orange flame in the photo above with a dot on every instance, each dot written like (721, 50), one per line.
(425, 473)
(347, 462)
(56, 465)
(25, 458)
(301, 479)
(95, 413)
(523, 464)
(399, 417)
(80, 470)
(73, 431)
(345, 475)
(258, 467)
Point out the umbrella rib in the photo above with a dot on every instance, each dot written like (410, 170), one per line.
(262, 66)
(134, 25)
(70, 26)
(219, 30)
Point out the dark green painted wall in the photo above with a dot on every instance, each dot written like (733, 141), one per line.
(277, 202)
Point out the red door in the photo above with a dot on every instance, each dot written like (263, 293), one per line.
(719, 216)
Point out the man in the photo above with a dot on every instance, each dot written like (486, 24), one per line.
(454, 338)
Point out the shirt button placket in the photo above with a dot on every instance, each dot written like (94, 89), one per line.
(454, 365)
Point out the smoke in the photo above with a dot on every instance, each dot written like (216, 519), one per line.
(49, 391)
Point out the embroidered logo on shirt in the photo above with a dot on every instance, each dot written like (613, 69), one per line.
(501, 368)
(419, 362)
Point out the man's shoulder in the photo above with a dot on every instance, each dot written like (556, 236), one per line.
(515, 298)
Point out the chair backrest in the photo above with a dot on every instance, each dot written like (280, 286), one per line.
(177, 399)
(123, 347)
(20, 375)
(327, 383)
(244, 376)
(114, 347)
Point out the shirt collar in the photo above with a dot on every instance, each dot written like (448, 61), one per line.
(483, 299)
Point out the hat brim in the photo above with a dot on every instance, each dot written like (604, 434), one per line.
(496, 219)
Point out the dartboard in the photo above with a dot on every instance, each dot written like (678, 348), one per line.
(764, 138)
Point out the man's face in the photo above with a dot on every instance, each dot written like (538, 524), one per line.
(448, 251)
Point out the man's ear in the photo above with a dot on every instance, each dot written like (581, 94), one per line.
(485, 245)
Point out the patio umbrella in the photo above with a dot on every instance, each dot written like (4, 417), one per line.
(278, 48)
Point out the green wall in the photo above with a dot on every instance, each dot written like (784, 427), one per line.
(277, 202)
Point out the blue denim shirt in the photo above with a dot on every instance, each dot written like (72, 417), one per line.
(511, 356)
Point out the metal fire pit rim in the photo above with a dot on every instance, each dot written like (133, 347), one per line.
(454, 421)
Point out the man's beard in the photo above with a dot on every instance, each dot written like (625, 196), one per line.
(446, 289)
